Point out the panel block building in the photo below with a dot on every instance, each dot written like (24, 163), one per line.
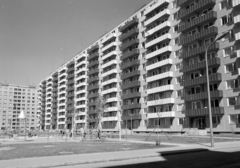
(13, 99)
(150, 71)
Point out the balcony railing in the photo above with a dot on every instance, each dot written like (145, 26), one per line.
(162, 114)
(131, 106)
(130, 53)
(160, 76)
(93, 47)
(133, 117)
(93, 79)
(130, 74)
(157, 16)
(203, 95)
(132, 22)
(93, 87)
(129, 34)
(158, 52)
(200, 50)
(158, 28)
(93, 63)
(129, 64)
(129, 44)
(131, 95)
(159, 64)
(203, 111)
(93, 55)
(160, 89)
(160, 101)
(202, 64)
(200, 35)
(202, 80)
(158, 40)
(130, 85)
(93, 71)
(155, 5)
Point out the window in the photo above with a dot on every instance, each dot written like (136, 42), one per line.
(193, 46)
(157, 122)
(196, 105)
(212, 70)
(208, 41)
(230, 68)
(232, 101)
(214, 103)
(175, 16)
(216, 119)
(224, 20)
(190, 33)
(175, 29)
(195, 75)
(223, 4)
(177, 53)
(234, 119)
(179, 80)
(168, 121)
(179, 93)
(213, 86)
(228, 51)
(178, 66)
(232, 84)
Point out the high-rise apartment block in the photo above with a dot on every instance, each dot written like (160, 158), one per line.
(150, 70)
(13, 99)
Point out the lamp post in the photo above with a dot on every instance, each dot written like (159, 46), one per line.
(208, 87)
(131, 122)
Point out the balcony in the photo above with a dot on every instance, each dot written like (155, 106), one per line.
(129, 64)
(235, 3)
(154, 6)
(70, 76)
(70, 69)
(54, 106)
(70, 82)
(203, 111)
(92, 95)
(109, 46)
(114, 80)
(160, 76)
(109, 109)
(182, 2)
(129, 44)
(70, 89)
(109, 119)
(200, 50)
(158, 28)
(93, 55)
(93, 79)
(157, 16)
(158, 52)
(109, 55)
(159, 64)
(92, 120)
(91, 103)
(130, 85)
(92, 87)
(109, 63)
(132, 117)
(112, 99)
(131, 95)
(130, 53)
(83, 62)
(70, 95)
(129, 34)
(132, 22)
(81, 77)
(200, 35)
(160, 89)
(203, 95)
(109, 37)
(161, 101)
(112, 71)
(93, 48)
(197, 7)
(68, 122)
(110, 90)
(93, 63)
(202, 80)
(158, 40)
(131, 74)
(198, 21)
(93, 71)
(81, 105)
(168, 114)
(201, 65)
(131, 106)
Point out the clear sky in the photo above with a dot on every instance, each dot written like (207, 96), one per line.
(37, 36)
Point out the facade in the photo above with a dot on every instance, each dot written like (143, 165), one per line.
(13, 99)
(150, 70)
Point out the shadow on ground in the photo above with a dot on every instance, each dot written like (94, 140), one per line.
(203, 159)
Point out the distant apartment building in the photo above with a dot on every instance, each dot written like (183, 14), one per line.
(151, 72)
(13, 99)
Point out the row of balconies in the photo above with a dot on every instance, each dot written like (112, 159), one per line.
(197, 7)
(198, 21)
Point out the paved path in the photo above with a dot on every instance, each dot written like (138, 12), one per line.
(107, 156)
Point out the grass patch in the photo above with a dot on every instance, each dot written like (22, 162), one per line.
(67, 148)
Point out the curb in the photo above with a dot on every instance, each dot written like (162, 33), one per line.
(157, 154)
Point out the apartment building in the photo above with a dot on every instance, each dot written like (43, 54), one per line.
(13, 99)
(150, 71)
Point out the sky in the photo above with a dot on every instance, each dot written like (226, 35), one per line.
(38, 36)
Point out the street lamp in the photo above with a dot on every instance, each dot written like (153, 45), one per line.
(131, 122)
(22, 115)
(208, 87)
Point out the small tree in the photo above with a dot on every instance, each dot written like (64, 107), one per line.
(100, 109)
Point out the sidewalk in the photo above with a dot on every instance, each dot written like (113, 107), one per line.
(110, 156)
